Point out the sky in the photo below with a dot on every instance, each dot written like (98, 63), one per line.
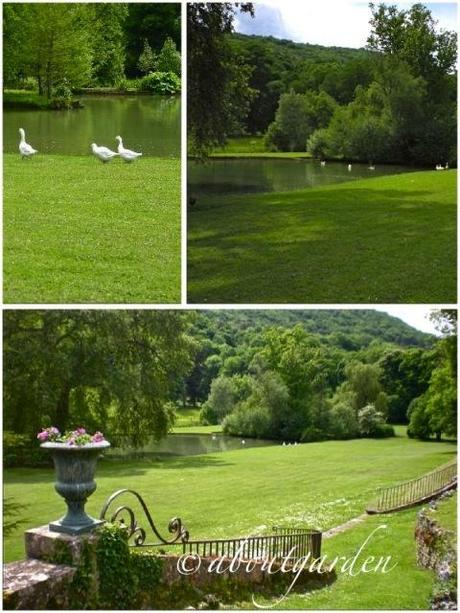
(414, 315)
(342, 23)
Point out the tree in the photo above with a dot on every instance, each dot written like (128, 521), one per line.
(411, 35)
(153, 21)
(108, 42)
(362, 382)
(435, 411)
(54, 44)
(169, 57)
(298, 115)
(221, 401)
(109, 370)
(147, 61)
(405, 375)
(218, 94)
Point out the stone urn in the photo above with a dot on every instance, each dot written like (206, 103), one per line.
(75, 467)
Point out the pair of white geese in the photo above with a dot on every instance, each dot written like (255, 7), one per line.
(103, 153)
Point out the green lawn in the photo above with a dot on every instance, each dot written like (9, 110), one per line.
(381, 240)
(20, 98)
(407, 586)
(237, 492)
(77, 230)
(254, 147)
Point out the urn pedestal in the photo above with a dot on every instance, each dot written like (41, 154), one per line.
(75, 468)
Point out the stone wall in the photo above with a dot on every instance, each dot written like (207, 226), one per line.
(436, 550)
(49, 578)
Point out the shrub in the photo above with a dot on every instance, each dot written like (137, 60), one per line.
(163, 83)
(21, 450)
(62, 96)
(343, 423)
(248, 420)
(29, 84)
(220, 402)
(318, 144)
(370, 421)
(169, 57)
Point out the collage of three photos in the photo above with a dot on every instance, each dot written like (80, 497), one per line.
(230, 299)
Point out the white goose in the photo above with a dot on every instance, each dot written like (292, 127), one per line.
(103, 153)
(24, 148)
(126, 154)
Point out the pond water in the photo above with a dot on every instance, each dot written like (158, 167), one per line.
(191, 444)
(150, 124)
(245, 176)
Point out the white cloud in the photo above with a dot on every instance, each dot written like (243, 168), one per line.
(414, 315)
(326, 22)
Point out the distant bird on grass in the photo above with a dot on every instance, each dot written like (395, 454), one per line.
(25, 149)
(371, 167)
(103, 153)
(323, 163)
(349, 167)
(126, 154)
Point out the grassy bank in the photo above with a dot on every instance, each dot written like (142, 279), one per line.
(22, 99)
(77, 230)
(254, 147)
(387, 239)
(239, 492)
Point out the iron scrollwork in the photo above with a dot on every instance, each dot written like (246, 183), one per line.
(137, 532)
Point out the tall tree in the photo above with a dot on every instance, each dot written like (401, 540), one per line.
(218, 92)
(151, 21)
(108, 42)
(53, 44)
(110, 370)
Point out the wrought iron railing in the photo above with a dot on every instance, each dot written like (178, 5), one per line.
(415, 491)
(136, 534)
(295, 542)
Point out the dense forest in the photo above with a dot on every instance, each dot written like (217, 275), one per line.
(287, 375)
(56, 48)
(393, 102)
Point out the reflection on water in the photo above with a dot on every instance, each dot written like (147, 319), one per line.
(150, 124)
(191, 444)
(245, 176)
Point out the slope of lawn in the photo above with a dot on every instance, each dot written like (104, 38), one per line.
(407, 586)
(239, 492)
(77, 230)
(387, 239)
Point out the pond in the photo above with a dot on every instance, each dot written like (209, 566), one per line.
(245, 176)
(191, 444)
(150, 124)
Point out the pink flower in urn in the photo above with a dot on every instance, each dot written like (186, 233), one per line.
(97, 437)
(80, 431)
(43, 436)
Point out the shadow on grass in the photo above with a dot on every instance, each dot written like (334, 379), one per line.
(352, 244)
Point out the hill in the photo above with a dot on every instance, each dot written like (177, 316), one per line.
(348, 328)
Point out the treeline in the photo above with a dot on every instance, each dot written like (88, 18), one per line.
(54, 47)
(393, 102)
(397, 103)
(289, 382)
(294, 376)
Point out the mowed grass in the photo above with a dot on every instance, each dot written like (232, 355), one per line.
(239, 492)
(406, 586)
(254, 147)
(77, 230)
(380, 240)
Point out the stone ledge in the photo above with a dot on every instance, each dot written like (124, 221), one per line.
(33, 584)
(43, 544)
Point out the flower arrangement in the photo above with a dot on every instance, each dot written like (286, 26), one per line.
(73, 438)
